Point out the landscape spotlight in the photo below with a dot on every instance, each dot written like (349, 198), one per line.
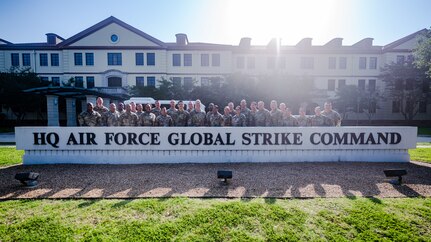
(395, 173)
(28, 179)
(224, 175)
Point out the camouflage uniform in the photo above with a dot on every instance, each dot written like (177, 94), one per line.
(182, 118)
(252, 118)
(334, 116)
(227, 120)
(89, 119)
(128, 119)
(139, 113)
(110, 118)
(247, 114)
(276, 117)
(174, 114)
(147, 119)
(197, 118)
(164, 120)
(320, 120)
(263, 118)
(239, 120)
(215, 120)
(303, 121)
(289, 121)
(101, 110)
(156, 111)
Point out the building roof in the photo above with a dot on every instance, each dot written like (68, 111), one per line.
(403, 40)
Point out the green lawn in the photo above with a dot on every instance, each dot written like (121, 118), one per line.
(421, 154)
(10, 156)
(183, 219)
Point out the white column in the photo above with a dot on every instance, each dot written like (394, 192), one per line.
(52, 110)
(71, 111)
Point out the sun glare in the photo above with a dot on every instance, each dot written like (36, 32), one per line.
(288, 20)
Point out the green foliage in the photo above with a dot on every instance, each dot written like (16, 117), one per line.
(10, 156)
(422, 52)
(352, 99)
(183, 219)
(12, 84)
(407, 85)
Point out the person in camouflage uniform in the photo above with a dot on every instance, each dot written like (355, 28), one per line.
(111, 117)
(333, 115)
(139, 109)
(288, 119)
(156, 110)
(208, 114)
(215, 118)
(318, 119)
(246, 111)
(99, 106)
(121, 108)
(164, 119)
(128, 118)
(182, 117)
(276, 115)
(227, 118)
(190, 106)
(303, 120)
(172, 111)
(147, 118)
(89, 117)
(263, 117)
(197, 117)
(231, 108)
(253, 110)
(239, 119)
(133, 107)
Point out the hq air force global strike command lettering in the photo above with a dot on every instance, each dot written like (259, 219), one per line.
(219, 139)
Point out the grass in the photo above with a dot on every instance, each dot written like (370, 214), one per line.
(183, 219)
(421, 154)
(10, 156)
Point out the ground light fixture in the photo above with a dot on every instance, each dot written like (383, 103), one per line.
(28, 179)
(395, 173)
(224, 175)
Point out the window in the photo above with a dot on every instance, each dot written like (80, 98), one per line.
(362, 62)
(115, 81)
(396, 107)
(282, 62)
(422, 107)
(188, 82)
(215, 59)
(79, 81)
(140, 81)
(139, 57)
(44, 78)
(361, 85)
(114, 59)
(307, 62)
(240, 62)
(331, 85)
(78, 59)
(90, 81)
(176, 81)
(332, 63)
(14, 59)
(43, 59)
(372, 85)
(187, 59)
(55, 60)
(399, 85)
(55, 81)
(373, 62)
(341, 83)
(205, 59)
(410, 84)
(205, 81)
(250, 62)
(176, 59)
(151, 59)
(151, 81)
(89, 59)
(400, 59)
(270, 62)
(26, 59)
(215, 81)
(342, 64)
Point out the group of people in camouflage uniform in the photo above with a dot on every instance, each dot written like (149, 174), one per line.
(257, 115)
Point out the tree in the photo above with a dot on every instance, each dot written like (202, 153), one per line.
(407, 86)
(13, 83)
(422, 52)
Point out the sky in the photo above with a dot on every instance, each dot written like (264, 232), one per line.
(221, 21)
